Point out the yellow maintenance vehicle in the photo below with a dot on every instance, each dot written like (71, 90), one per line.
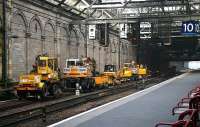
(132, 71)
(138, 71)
(109, 76)
(142, 71)
(42, 81)
(78, 74)
(125, 73)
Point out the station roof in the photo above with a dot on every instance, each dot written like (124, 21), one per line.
(75, 6)
(80, 6)
(125, 9)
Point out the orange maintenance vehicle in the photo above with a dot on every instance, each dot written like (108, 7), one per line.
(80, 73)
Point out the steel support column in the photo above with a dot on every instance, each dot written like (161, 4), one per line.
(4, 47)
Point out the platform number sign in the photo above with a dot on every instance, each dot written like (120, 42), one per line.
(190, 27)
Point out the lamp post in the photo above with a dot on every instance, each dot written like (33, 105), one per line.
(4, 47)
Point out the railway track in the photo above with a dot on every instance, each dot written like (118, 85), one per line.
(15, 103)
(35, 110)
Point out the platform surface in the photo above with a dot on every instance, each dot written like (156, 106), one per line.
(142, 109)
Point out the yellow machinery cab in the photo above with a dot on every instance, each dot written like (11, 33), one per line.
(110, 70)
(47, 67)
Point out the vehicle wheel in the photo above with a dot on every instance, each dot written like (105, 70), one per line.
(56, 90)
(19, 98)
(63, 85)
(45, 91)
(89, 84)
(68, 83)
(21, 95)
(84, 85)
(93, 84)
(106, 85)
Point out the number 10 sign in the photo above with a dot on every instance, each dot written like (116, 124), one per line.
(190, 27)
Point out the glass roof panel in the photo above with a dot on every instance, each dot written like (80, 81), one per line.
(77, 6)
(80, 6)
(71, 2)
(53, 1)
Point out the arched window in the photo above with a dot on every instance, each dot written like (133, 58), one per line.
(73, 39)
(35, 43)
(64, 47)
(18, 46)
(49, 46)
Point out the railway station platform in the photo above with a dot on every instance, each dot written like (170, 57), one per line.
(142, 109)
